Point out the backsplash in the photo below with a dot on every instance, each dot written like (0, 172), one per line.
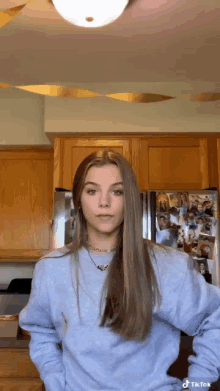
(9, 271)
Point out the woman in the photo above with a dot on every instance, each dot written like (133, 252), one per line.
(151, 293)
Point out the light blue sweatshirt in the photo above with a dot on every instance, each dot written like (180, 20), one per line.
(96, 359)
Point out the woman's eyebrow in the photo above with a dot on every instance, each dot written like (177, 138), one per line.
(96, 184)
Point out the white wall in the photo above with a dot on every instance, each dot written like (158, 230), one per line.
(9, 271)
(103, 114)
(22, 119)
(29, 119)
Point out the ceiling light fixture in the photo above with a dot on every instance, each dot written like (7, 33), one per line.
(90, 13)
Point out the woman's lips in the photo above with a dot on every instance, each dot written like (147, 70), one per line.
(104, 218)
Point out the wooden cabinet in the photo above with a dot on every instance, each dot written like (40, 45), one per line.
(17, 372)
(69, 153)
(159, 161)
(21, 385)
(217, 162)
(174, 163)
(26, 203)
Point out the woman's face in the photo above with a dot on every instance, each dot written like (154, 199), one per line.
(202, 267)
(200, 208)
(103, 197)
(163, 222)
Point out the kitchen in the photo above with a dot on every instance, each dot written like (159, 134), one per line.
(167, 51)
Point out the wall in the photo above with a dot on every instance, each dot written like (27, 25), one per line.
(103, 114)
(9, 271)
(31, 119)
(22, 119)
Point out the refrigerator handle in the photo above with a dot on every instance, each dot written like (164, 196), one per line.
(153, 211)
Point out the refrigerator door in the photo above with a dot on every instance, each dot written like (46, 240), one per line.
(144, 204)
(63, 218)
(189, 222)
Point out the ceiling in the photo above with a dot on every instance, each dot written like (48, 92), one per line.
(161, 46)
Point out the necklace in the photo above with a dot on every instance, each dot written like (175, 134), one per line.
(101, 267)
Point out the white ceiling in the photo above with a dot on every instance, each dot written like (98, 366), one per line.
(160, 46)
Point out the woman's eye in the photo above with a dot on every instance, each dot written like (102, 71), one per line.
(115, 191)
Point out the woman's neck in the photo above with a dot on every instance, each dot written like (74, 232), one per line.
(97, 252)
(97, 247)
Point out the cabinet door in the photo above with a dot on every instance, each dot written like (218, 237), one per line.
(21, 385)
(174, 163)
(16, 363)
(69, 153)
(26, 200)
(217, 166)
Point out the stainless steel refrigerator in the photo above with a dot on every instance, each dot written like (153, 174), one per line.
(187, 221)
(63, 218)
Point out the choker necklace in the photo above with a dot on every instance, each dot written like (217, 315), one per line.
(101, 267)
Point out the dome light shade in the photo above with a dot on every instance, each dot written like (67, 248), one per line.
(90, 13)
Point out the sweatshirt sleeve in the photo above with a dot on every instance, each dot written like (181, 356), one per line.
(43, 348)
(197, 314)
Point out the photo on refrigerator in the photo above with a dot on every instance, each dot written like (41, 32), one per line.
(188, 221)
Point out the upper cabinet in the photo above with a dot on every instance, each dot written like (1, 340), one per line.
(160, 162)
(175, 163)
(70, 152)
(26, 203)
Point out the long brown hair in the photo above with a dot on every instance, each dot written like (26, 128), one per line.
(130, 282)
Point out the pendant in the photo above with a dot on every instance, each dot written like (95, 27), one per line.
(102, 267)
